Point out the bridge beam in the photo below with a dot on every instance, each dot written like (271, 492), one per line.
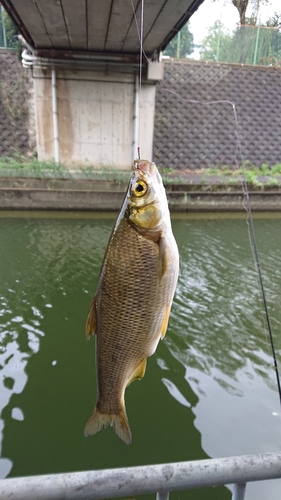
(96, 112)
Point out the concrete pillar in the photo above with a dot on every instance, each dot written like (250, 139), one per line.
(95, 117)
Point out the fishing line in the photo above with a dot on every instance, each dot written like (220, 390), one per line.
(140, 36)
(141, 53)
(141, 42)
(239, 160)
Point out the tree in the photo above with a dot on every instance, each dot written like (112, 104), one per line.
(246, 44)
(242, 5)
(274, 21)
(215, 46)
(182, 44)
(10, 30)
(244, 34)
(273, 40)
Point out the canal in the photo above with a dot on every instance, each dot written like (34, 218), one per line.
(209, 390)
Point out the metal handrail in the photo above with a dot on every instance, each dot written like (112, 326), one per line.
(160, 479)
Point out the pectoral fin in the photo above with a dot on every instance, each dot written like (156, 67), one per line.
(163, 256)
(91, 322)
(138, 373)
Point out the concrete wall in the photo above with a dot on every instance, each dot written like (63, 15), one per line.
(95, 117)
(96, 110)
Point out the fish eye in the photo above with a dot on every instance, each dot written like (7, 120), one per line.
(139, 188)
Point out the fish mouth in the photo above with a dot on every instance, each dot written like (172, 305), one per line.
(145, 166)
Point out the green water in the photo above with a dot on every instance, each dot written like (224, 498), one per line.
(209, 390)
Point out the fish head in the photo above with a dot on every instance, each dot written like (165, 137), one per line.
(147, 203)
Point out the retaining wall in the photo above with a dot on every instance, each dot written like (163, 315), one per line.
(17, 118)
(186, 135)
(192, 135)
(94, 195)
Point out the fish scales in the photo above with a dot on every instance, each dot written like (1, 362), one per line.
(136, 289)
(131, 307)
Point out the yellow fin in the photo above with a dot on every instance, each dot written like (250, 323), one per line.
(162, 330)
(165, 322)
(138, 373)
(119, 423)
(91, 322)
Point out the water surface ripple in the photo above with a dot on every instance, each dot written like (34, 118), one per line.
(209, 390)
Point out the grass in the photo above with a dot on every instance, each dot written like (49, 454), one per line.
(255, 176)
(272, 183)
(19, 166)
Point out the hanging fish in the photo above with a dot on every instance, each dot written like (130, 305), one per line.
(130, 311)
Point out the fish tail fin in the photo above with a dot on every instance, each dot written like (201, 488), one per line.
(119, 423)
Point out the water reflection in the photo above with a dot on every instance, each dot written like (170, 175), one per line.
(34, 259)
(217, 316)
(209, 390)
(218, 334)
(19, 339)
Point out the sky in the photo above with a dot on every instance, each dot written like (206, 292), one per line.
(210, 11)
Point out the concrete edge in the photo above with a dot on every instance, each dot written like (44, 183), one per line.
(25, 198)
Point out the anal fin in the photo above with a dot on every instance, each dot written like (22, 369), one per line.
(91, 322)
(162, 330)
(165, 322)
(138, 373)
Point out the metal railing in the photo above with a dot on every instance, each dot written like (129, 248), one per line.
(3, 36)
(8, 40)
(160, 479)
(256, 45)
(246, 44)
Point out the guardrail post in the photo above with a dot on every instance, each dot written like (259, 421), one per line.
(162, 495)
(3, 28)
(239, 491)
(256, 44)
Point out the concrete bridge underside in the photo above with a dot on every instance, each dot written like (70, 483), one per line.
(85, 61)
